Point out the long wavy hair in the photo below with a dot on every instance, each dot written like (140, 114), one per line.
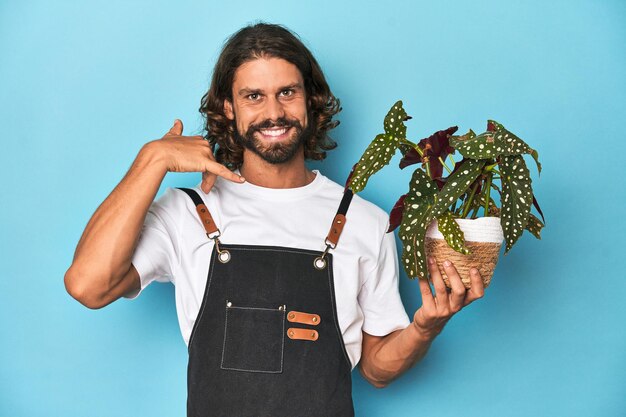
(275, 41)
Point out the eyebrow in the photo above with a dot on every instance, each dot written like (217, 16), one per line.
(246, 90)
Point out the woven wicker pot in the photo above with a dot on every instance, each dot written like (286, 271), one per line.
(483, 237)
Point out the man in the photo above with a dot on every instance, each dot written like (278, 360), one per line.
(275, 315)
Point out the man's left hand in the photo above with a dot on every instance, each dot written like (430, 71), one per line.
(437, 309)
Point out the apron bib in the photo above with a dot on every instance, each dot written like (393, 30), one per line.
(266, 341)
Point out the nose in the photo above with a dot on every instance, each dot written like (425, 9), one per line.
(273, 109)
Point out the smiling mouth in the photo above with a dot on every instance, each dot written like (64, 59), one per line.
(275, 132)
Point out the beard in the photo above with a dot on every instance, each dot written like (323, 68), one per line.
(274, 153)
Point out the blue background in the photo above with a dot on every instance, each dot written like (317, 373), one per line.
(83, 85)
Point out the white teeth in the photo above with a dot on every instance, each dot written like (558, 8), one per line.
(273, 132)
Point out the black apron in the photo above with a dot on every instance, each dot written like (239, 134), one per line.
(266, 341)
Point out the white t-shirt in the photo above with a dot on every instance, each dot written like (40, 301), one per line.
(173, 246)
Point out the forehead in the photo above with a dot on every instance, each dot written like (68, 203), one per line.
(266, 74)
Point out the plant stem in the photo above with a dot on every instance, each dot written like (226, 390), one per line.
(445, 166)
(412, 145)
(488, 193)
(468, 202)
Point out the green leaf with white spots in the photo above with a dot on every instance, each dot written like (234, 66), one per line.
(452, 232)
(516, 199)
(381, 150)
(492, 144)
(457, 184)
(515, 146)
(415, 220)
(534, 226)
(483, 146)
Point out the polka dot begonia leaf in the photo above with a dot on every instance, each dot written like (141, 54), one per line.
(381, 149)
(534, 226)
(457, 184)
(492, 144)
(415, 220)
(516, 199)
(451, 232)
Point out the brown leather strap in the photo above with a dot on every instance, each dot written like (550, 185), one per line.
(302, 334)
(336, 228)
(303, 318)
(205, 216)
(207, 220)
(340, 219)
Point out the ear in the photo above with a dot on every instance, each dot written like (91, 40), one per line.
(228, 109)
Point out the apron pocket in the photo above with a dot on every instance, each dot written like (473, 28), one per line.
(254, 339)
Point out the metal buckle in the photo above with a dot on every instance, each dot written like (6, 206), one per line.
(329, 243)
(214, 235)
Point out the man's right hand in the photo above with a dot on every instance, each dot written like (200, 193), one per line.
(191, 154)
(102, 270)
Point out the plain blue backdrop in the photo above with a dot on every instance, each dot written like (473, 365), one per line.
(83, 85)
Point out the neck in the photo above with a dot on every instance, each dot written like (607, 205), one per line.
(291, 174)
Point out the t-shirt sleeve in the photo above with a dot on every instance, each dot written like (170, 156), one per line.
(156, 256)
(380, 296)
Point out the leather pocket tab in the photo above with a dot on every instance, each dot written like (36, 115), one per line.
(303, 318)
(302, 334)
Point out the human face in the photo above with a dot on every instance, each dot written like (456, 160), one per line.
(269, 109)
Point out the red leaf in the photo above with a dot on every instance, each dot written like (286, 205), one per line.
(395, 217)
(433, 147)
(437, 146)
(491, 127)
(536, 204)
(410, 158)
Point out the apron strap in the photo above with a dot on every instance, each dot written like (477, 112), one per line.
(340, 220)
(205, 215)
(332, 239)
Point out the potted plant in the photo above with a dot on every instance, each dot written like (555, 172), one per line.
(455, 210)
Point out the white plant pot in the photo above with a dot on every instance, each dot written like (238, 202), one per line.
(483, 237)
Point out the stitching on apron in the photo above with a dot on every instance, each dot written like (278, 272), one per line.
(282, 352)
(255, 308)
(304, 251)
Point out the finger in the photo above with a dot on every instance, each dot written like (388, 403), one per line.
(428, 302)
(441, 295)
(219, 169)
(458, 292)
(477, 289)
(176, 129)
(208, 180)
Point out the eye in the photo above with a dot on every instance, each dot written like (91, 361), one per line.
(287, 92)
(253, 96)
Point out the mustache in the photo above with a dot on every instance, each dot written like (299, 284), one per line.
(280, 122)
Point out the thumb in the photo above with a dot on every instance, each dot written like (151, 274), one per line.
(176, 129)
